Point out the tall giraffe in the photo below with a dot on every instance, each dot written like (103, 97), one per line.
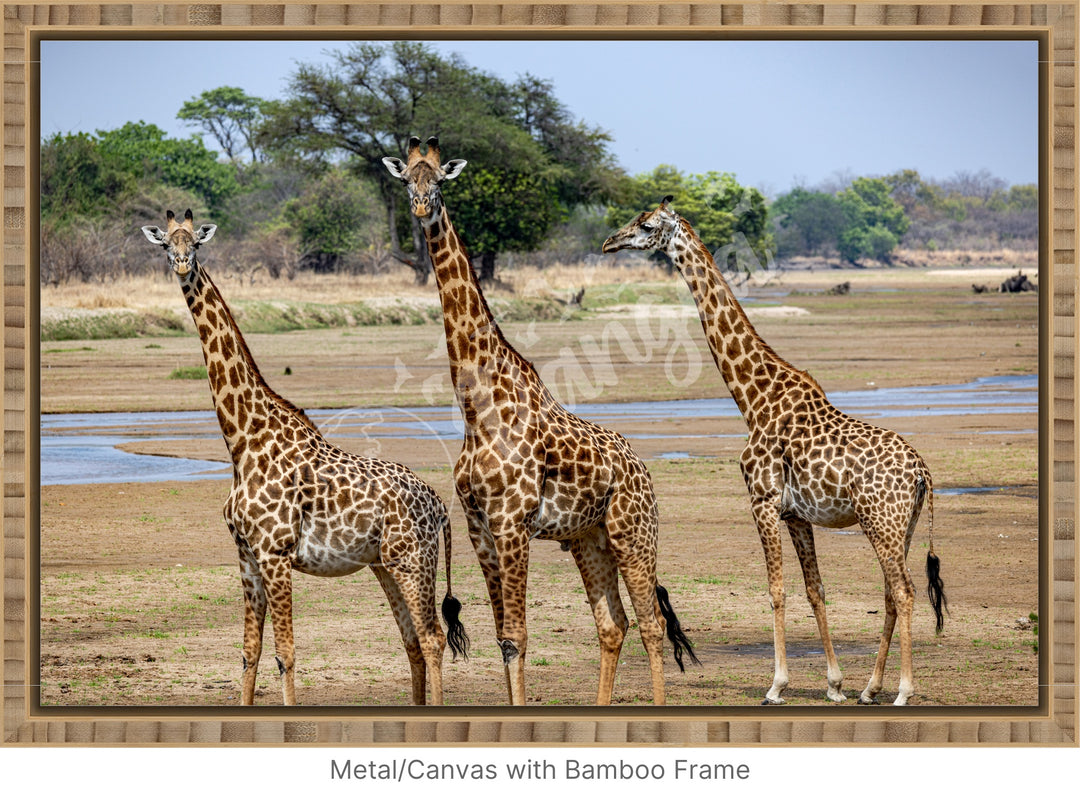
(299, 502)
(531, 469)
(806, 462)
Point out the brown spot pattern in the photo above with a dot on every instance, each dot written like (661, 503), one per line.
(805, 461)
(298, 502)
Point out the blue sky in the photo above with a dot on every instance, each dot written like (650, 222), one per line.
(775, 114)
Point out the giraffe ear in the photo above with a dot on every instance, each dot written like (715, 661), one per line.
(155, 235)
(453, 168)
(205, 233)
(395, 165)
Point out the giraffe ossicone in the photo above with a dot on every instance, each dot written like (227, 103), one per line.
(299, 502)
(530, 469)
(805, 463)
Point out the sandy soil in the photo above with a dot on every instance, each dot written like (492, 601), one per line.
(141, 603)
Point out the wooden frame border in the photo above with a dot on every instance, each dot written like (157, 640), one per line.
(1054, 720)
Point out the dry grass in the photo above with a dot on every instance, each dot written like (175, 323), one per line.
(524, 281)
(158, 291)
(1002, 257)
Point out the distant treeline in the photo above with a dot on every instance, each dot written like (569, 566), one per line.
(298, 184)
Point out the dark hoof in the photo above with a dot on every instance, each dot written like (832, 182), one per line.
(765, 702)
(871, 702)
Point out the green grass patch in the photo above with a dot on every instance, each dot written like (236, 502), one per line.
(113, 325)
(194, 372)
(605, 295)
(273, 317)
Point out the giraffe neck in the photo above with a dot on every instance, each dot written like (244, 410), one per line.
(477, 349)
(243, 401)
(749, 366)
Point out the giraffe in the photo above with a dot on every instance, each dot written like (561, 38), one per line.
(805, 461)
(299, 502)
(531, 469)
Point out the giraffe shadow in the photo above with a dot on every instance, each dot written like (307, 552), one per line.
(806, 663)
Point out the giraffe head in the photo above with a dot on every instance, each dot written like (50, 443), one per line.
(180, 241)
(648, 231)
(422, 175)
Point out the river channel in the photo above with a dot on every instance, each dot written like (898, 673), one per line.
(82, 448)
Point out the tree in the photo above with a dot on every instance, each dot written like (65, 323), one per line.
(810, 222)
(981, 184)
(90, 176)
(874, 222)
(79, 179)
(329, 219)
(728, 217)
(489, 223)
(229, 115)
(586, 171)
(376, 96)
(144, 151)
(923, 200)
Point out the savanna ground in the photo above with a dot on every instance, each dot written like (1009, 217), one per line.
(140, 598)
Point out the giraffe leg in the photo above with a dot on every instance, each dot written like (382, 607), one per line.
(899, 586)
(277, 577)
(600, 574)
(254, 619)
(638, 568)
(651, 624)
(488, 556)
(768, 524)
(877, 679)
(513, 550)
(904, 596)
(802, 535)
(415, 618)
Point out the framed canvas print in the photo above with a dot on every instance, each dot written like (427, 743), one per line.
(714, 355)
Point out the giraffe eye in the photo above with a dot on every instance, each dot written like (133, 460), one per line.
(648, 229)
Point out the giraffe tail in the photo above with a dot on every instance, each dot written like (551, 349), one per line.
(456, 638)
(675, 634)
(935, 588)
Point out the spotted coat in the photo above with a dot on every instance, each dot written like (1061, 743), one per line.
(298, 502)
(529, 469)
(805, 462)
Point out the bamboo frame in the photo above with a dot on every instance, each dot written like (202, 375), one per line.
(1053, 721)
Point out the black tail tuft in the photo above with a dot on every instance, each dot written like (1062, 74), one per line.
(678, 638)
(456, 638)
(935, 589)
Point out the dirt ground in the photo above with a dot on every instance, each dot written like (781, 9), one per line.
(141, 603)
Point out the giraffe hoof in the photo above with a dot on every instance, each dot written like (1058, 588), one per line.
(768, 701)
(870, 701)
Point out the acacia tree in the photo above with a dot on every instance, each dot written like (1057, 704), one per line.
(375, 96)
(231, 116)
